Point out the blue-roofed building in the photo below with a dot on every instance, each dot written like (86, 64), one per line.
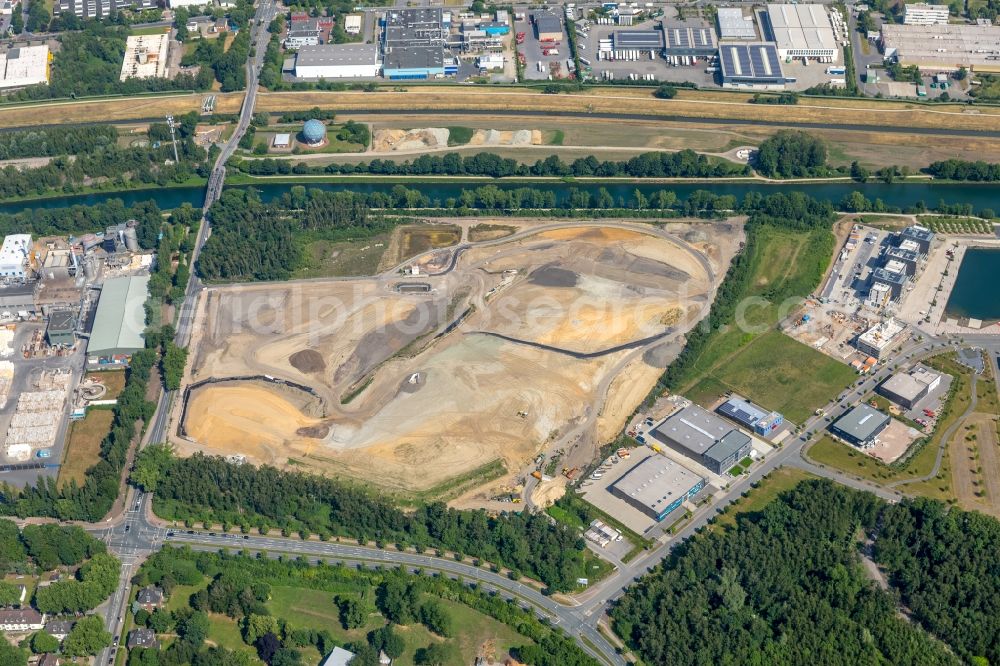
(753, 65)
(750, 415)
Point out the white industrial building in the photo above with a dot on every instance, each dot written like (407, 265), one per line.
(920, 13)
(803, 31)
(352, 24)
(337, 61)
(303, 33)
(943, 48)
(14, 256)
(174, 4)
(490, 61)
(145, 57)
(733, 24)
(24, 66)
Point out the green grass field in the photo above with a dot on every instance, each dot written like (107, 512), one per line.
(323, 258)
(224, 631)
(782, 374)
(315, 609)
(459, 136)
(155, 30)
(752, 357)
(565, 517)
(181, 595)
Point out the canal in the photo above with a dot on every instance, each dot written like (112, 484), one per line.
(899, 194)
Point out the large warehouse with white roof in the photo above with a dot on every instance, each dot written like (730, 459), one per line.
(943, 48)
(803, 31)
(337, 61)
(24, 66)
(657, 486)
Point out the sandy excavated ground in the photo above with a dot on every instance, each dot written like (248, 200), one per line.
(428, 397)
(430, 138)
(399, 140)
(492, 137)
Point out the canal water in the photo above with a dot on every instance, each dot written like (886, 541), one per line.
(975, 294)
(898, 194)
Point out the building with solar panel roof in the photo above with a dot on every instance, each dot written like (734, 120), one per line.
(753, 65)
(750, 415)
(646, 40)
(684, 41)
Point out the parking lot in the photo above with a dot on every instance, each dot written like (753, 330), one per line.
(553, 65)
(596, 491)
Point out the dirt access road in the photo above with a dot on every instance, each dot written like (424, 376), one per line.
(410, 384)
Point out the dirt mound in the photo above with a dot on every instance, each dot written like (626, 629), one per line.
(307, 360)
(553, 276)
(395, 140)
(318, 431)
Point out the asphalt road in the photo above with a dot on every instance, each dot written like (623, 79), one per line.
(134, 537)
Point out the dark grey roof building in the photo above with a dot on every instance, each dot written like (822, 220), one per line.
(708, 439)
(61, 330)
(860, 426)
(729, 450)
(895, 281)
(417, 57)
(908, 258)
(638, 39)
(685, 41)
(922, 236)
(751, 65)
(143, 637)
(547, 25)
(149, 596)
(58, 628)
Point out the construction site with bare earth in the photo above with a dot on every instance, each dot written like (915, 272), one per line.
(447, 374)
